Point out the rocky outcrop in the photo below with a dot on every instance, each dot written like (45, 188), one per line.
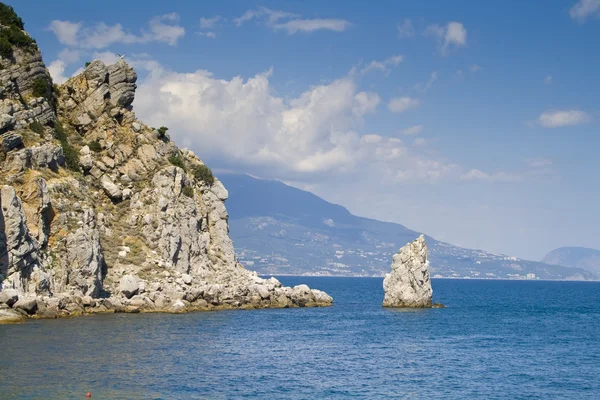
(101, 213)
(409, 285)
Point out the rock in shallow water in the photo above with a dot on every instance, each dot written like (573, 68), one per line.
(409, 285)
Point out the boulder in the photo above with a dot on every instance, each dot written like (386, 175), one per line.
(409, 285)
(26, 304)
(11, 141)
(110, 188)
(9, 297)
(129, 285)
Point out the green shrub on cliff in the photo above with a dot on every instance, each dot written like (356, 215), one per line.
(188, 191)
(95, 146)
(17, 37)
(40, 87)
(37, 127)
(5, 48)
(12, 33)
(69, 152)
(177, 161)
(202, 172)
(162, 131)
(9, 17)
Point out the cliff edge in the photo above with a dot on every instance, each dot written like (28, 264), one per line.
(101, 213)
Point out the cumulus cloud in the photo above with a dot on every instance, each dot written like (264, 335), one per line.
(57, 71)
(557, 119)
(66, 31)
(413, 130)
(244, 121)
(209, 23)
(585, 9)
(401, 104)
(291, 22)
(243, 124)
(405, 29)
(57, 68)
(383, 66)
(449, 36)
(163, 28)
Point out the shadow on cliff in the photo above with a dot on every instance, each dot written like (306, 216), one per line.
(3, 247)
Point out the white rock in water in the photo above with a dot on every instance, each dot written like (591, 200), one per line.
(409, 285)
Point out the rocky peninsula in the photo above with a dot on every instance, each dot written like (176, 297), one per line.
(409, 284)
(102, 213)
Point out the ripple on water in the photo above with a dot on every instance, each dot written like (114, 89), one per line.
(495, 340)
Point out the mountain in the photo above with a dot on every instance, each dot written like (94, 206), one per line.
(100, 212)
(579, 257)
(279, 229)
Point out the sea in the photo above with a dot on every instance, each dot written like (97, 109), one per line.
(495, 340)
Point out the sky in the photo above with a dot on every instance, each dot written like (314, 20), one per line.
(474, 122)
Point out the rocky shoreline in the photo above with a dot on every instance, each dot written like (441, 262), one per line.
(102, 213)
(16, 309)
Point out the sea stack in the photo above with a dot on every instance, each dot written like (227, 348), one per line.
(409, 285)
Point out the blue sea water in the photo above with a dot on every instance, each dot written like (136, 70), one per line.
(496, 340)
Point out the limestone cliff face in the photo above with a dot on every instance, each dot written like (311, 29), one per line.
(101, 212)
(409, 285)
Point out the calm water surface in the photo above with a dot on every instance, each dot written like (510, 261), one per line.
(496, 339)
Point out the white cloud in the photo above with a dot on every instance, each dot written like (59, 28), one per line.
(69, 56)
(245, 122)
(556, 119)
(211, 35)
(478, 175)
(401, 104)
(57, 71)
(209, 23)
(452, 35)
(475, 67)
(292, 21)
(58, 67)
(315, 136)
(311, 25)
(584, 9)
(66, 32)
(419, 142)
(538, 162)
(423, 88)
(548, 79)
(163, 28)
(413, 130)
(107, 57)
(384, 65)
(405, 29)
(272, 16)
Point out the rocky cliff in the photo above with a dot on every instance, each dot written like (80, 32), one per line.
(102, 213)
(409, 285)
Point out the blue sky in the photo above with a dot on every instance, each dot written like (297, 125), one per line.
(475, 122)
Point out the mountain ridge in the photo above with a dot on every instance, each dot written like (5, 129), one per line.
(579, 257)
(270, 225)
